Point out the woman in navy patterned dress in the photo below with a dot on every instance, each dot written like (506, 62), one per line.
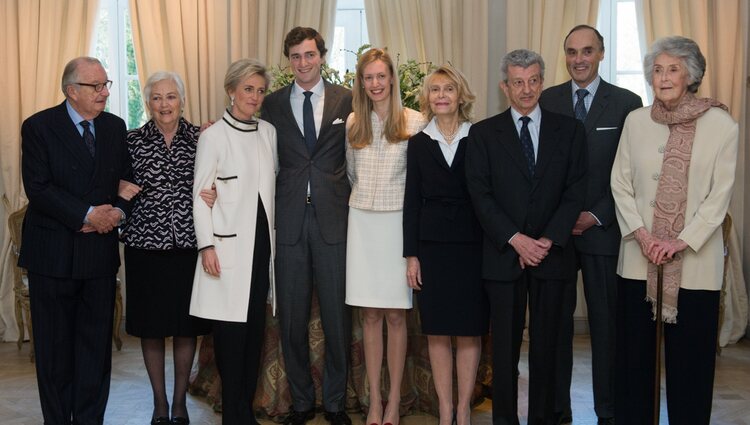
(160, 244)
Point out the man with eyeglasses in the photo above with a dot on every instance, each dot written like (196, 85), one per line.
(526, 174)
(73, 158)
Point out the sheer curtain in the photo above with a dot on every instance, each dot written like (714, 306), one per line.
(719, 29)
(38, 38)
(541, 25)
(199, 39)
(436, 31)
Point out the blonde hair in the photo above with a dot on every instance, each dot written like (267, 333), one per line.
(360, 133)
(243, 69)
(465, 96)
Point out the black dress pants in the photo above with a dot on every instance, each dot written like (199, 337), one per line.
(507, 316)
(237, 345)
(73, 346)
(689, 356)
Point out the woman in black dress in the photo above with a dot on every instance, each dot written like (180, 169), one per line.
(442, 241)
(160, 245)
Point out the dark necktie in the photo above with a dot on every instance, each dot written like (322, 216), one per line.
(580, 108)
(308, 122)
(88, 137)
(526, 145)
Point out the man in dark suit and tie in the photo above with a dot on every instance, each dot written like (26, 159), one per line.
(526, 173)
(74, 156)
(312, 195)
(602, 108)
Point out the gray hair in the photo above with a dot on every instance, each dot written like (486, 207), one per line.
(682, 48)
(163, 76)
(70, 73)
(242, 69)
(523, 58)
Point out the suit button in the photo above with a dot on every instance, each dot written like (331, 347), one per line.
(655, 176)
(652, 203)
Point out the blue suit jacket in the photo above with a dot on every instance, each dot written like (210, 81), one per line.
(62, 181)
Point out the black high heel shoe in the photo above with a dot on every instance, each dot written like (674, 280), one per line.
(177, 420)
(455, 419)
(160, 420)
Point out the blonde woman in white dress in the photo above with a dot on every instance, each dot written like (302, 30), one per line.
(377, 135)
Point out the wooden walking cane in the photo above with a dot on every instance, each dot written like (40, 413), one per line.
(659, 327)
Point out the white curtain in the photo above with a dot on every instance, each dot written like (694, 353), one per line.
(37, 38)
(436, 31)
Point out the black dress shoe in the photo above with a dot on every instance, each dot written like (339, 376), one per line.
(565, 419)
(299, 418)
(160, 420)
(606, 421)
(338, 418)
(177, 420)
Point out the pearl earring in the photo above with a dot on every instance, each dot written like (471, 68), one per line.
(232, 101)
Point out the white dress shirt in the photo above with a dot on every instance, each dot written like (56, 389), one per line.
(449, 150)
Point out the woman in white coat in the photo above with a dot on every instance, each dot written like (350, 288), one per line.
(235, 238)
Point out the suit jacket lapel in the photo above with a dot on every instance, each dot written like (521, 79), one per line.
(434, 148)
(68, 135)
(508, 137)
(547, 142)
(598, 105)
(330, 102)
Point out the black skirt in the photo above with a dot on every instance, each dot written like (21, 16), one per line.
(452, 300)
(158, 285)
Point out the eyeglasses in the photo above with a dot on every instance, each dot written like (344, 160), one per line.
(98, 86)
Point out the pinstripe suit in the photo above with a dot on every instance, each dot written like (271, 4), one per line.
(71, 274)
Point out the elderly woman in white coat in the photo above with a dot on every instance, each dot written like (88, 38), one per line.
(672, 181)
(235, 238)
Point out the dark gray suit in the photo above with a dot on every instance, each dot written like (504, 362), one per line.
(311, 243)
(597, 248)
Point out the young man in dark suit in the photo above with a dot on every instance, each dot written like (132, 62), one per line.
(312, 194)
(602, 108)
(73, 157)
(526, 174)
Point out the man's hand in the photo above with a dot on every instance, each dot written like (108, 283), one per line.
(103, 219)
(414, 273)
(584, 222)
(530, 251)
(209, 196)
(205, 125)
(210, 262)
(127, 190)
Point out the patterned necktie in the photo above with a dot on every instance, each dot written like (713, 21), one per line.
(580, 108)
(526, 145)
(88, 137)
(308, 122)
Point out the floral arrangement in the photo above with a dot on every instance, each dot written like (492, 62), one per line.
(410, 76)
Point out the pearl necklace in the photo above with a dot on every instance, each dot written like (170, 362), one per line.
(448, 136)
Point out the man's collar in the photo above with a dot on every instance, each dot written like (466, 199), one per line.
(535, 115)
(592, 87)
(318, 89)
(74, 115)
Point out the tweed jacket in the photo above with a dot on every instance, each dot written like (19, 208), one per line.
(635, 176)
(377, 172)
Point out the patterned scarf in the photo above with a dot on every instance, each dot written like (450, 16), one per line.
(671, 192)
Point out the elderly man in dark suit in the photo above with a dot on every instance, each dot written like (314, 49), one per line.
(312, 194)
(526, 174)
(74, 156)
(602, 108)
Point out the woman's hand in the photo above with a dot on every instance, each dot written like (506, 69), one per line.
(664, 250)
(127, 190)
(413, 273)
(646, 240)
(210, 262)
(209, 196)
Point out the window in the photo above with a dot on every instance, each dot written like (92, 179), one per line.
(113, 46)
(350, 33)
(624, 43)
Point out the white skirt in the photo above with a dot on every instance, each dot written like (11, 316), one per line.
(375, 266)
